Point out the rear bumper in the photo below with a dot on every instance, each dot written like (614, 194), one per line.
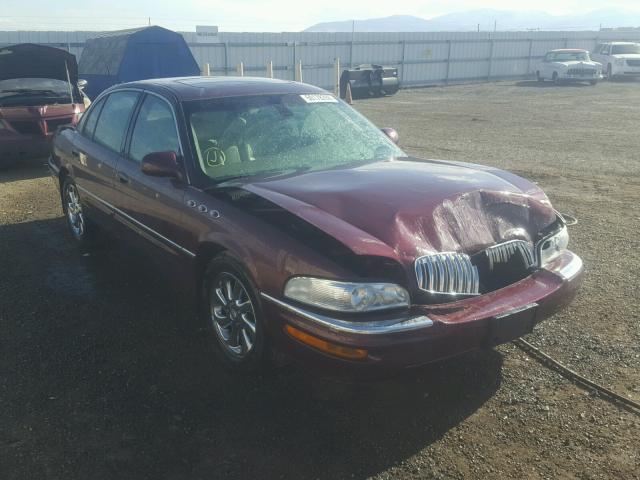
(429, 333)
(17, 147)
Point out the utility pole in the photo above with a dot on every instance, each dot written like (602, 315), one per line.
(149, 19)
(495, 25)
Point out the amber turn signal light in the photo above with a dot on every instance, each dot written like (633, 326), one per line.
(326, 347)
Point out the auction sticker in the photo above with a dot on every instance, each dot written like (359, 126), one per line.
(319, 98)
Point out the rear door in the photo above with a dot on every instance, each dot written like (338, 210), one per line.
(153, 205)
(100, 147)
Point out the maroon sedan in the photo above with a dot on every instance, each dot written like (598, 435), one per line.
(302, 228)
(38, 92)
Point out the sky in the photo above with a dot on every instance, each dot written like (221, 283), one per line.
(252, 15)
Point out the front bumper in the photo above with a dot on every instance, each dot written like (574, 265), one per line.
(580, 78)
(430, 332)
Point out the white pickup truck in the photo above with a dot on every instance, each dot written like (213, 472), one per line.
(619, 59)
(569, 65)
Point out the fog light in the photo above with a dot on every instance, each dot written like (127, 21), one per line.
(326, 347)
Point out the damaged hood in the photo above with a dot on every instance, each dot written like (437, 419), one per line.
(36, 61)
(408, 208)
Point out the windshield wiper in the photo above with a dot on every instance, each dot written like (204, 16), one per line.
(269, 174)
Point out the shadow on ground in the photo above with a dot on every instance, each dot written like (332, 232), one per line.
(23, 170)
(96, 381)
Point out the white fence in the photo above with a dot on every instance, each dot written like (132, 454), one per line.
(428, 58)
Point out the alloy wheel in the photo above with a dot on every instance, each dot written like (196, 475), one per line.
(75, 215)
(232, 315)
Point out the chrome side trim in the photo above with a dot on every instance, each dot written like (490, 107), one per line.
(141, 225)
(361, 328)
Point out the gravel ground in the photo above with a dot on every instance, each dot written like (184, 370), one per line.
(96, 382)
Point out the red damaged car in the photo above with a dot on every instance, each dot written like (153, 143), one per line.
(300, 227)
(38, 92)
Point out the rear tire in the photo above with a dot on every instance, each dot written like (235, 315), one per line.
(593, 82)
(555, 78)
(539, 77)
(233, 316)
(81, 230)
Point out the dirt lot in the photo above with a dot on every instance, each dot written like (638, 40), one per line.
(95, 381)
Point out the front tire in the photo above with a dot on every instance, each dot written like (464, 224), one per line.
(609, 72)
(233, 312)
(593, 82)
(555, 78)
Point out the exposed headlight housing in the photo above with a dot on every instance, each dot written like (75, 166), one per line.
(552, 246)
(346, 296)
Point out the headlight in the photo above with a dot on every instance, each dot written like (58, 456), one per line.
(346, 296)
(620, 61)
(552, 246)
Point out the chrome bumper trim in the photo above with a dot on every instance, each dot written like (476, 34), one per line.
(361, 328)
(571, 269)
(55, 171)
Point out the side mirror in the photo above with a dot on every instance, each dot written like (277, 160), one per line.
(82, 83)
(392, 134)
(161, 164)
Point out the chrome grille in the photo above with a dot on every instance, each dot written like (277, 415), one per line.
(583, 72)
(448, 273)
(503, 252)
(633, 63)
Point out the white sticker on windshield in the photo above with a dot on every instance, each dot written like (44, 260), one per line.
(319, 98)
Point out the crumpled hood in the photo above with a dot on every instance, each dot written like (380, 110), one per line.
(406, 209)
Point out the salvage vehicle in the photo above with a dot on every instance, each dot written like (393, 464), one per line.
(619, 59)
(301, 228)
(569, 65)
(39, 91)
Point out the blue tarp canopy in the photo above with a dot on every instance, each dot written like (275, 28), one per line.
(138, 54)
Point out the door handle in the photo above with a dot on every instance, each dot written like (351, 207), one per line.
(123, 178)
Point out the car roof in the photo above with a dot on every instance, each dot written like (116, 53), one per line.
(569, 50)
(620, 43)
(200, 88)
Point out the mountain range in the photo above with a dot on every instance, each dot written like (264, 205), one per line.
(487, 20)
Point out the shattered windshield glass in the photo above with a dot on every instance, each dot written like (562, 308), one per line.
(273, 134)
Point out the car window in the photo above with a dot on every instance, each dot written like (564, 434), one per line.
(155, 130)
(605, 50)
(626, 49)
(89, 119)
(113, 121)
